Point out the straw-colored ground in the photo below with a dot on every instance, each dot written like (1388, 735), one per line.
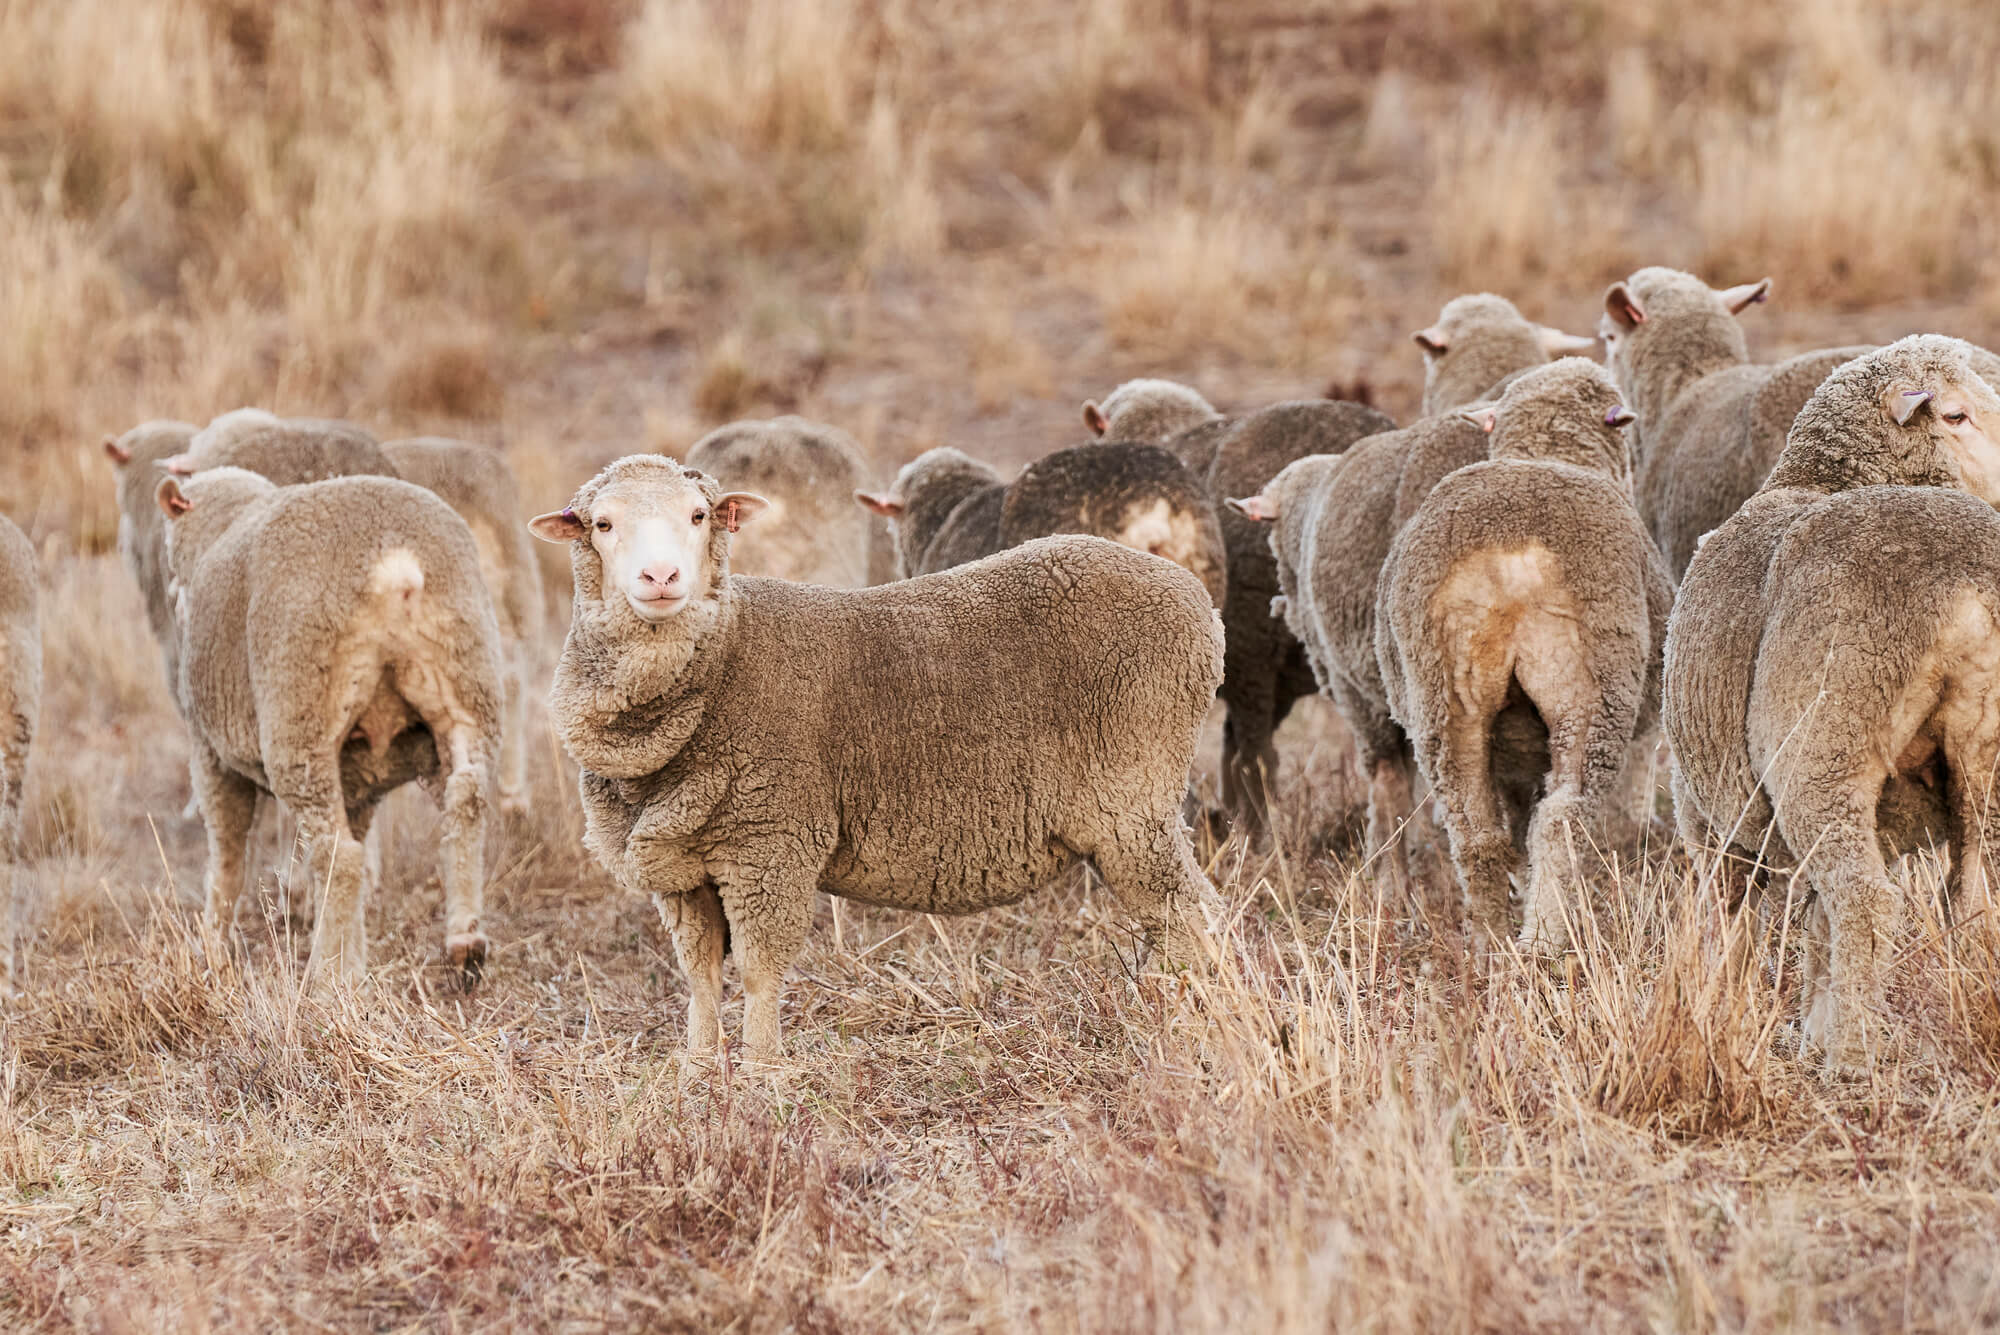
(582, 227)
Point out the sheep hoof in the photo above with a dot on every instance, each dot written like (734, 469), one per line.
(467, 953)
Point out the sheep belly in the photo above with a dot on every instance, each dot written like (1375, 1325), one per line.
(1506, 615)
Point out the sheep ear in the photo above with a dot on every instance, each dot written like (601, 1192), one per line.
(1485, 418)
(736, 508)
(115, 452)
(882, 503)
(172, 500)
(1622, 306)
(1745, 294)
(180, 465)
(557, 526)
(1903, 403)
(1094, 418)
(1260, 508)
(1434, 341)
(1558, 344)
(1620, 417)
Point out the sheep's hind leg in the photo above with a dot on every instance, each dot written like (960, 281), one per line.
(1853, 920)
(1470, 810)
(340, 937)
(228, 803)
(462, 851)
(701, 938)
(13, 770)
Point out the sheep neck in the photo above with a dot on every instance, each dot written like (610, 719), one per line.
(1690, 356)
(629, 694)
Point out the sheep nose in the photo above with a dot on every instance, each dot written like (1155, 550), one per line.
(664, 576)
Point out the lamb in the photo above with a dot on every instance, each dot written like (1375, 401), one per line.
(1832, 684)
(335, 642)
(946, 743)
(136, 458)
(1519, 620)
(475, 481)
(1480, 340)
(948, 509)
(813, 533)
(20, 710)
(1711, 424)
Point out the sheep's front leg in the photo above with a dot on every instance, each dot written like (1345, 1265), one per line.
(701, 938)
(228, 804)
(512, 781)
(769, 910)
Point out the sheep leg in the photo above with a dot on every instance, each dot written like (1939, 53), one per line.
(701, 938)
(1481, 849)
(1153, 872)
(462, 850)
(1975, 832)
(340, 938)
(1390, 803)
(13, 772)
(513, 766)
(768, 915)
(228, 803)
(1249, 753)
(1857, 906)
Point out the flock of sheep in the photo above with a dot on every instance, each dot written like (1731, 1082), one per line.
(941, 697)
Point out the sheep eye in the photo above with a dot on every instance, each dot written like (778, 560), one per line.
(700, 515)
(1955, 417)
(604, 526)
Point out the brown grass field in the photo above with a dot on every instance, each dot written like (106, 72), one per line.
(580, 228)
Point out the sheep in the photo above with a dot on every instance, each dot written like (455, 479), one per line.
(475, 481)
(1153, 411)
(947, 743)
(288, 451)
(948, 509)
(335, 642)
(1710, 422)
(1831, 681)
(136, 458)
(20, 710)
(1518, 626)
(1478, 341)
(813, 533)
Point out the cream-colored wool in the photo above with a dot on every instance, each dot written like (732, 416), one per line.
(1519, 620)
(336, 641)
(1832, 678)
(945, 744)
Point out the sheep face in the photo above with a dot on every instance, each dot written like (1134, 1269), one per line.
(1963, 414)
(651, 527)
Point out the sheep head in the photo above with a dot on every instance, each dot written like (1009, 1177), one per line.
(656, 530)
(1688, 321)
(1914, 413)
(1569, 411)
(1149, 411)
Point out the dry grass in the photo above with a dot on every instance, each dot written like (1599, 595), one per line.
(597, 225)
